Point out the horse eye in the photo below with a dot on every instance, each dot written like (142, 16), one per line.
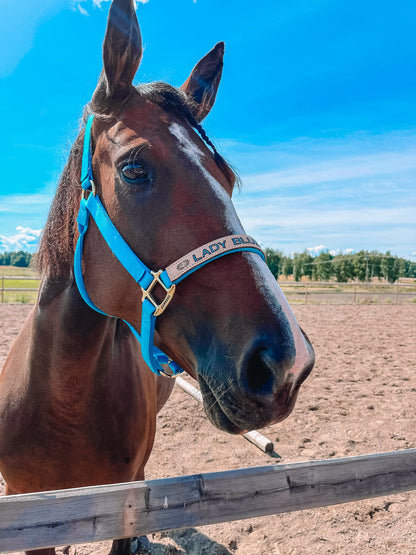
(135, 174)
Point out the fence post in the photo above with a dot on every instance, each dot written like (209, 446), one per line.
(355, 293)
(2, 289)
(397, 293)
(306, 293)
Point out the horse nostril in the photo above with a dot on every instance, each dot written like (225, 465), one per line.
(259, 376)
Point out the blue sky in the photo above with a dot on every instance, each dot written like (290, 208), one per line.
(316, 109)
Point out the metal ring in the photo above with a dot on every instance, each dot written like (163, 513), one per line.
(166, 375)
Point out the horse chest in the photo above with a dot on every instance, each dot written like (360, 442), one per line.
(82, 432)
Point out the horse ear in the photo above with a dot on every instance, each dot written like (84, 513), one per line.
(122, 53)
(202, 85)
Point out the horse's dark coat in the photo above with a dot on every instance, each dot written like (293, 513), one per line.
(78, 404)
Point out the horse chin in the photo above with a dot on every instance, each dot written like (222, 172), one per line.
(220, 420)
(214, 412)
(236, 421)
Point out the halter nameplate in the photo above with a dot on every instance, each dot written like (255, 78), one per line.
(147, 279)
(208, 252)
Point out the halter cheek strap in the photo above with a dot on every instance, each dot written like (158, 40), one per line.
(146, 278)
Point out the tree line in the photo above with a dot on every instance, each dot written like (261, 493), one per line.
(20, 259)
(361, 266)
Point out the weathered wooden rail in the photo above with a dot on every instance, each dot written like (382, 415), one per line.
(5, 289)
(133, 509)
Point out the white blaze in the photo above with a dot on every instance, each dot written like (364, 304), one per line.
(264, 279)
(195, 155)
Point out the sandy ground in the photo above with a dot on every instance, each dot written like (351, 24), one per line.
(360, 399)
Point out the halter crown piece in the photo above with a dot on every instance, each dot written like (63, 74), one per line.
(147, 279)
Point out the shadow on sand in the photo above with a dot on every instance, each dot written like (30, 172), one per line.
(189, 542)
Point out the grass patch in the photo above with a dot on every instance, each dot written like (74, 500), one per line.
(15, 271)
(10, 282)
(28, 297)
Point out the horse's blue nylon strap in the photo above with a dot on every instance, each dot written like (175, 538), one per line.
(93, 207)
(82, 221)
(135, 267)
(86, 169)
(153, 356)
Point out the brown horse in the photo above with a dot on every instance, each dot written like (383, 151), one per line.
(78, 403)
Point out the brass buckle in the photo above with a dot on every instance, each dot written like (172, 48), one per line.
(166, 374)
(147, 293)
(92, 190)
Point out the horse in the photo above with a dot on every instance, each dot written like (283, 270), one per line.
(146, 271)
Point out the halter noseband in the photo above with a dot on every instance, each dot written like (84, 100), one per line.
(146, 278)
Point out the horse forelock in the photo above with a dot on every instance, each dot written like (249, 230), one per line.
(57, 245)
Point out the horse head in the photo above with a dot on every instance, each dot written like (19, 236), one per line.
(167, 191)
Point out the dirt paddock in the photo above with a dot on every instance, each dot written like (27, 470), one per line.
(360, 399)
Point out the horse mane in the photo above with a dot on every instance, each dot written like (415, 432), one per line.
(57, 244)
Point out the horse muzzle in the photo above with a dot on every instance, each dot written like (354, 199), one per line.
(259, 391)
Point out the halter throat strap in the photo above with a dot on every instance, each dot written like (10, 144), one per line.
(91, 207)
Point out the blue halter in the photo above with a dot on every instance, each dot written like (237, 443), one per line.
(147, 279)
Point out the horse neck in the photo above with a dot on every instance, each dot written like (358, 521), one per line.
(69, 340)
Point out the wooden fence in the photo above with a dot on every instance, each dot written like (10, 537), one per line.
(317, 292)
(8, 289)
(96, 513)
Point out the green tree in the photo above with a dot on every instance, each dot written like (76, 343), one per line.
(274, 261)
(343, 268)
(410, 269)
(374, 262)
(361, 265)
(364, 265)
(19, 259)
(302, 265)
(287, 266)
(6, 259)
(322, 267)
(386, 265)
(400, 267)
(390, 267)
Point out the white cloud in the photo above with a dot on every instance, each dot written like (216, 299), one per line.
(32, 210)
(333, 170)
(82, 11)
(25, 239)
(288, 224)
(341, 251)
(78, 4)
(316, 250)
(327, 219)
(355, 193)
(98, 3)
